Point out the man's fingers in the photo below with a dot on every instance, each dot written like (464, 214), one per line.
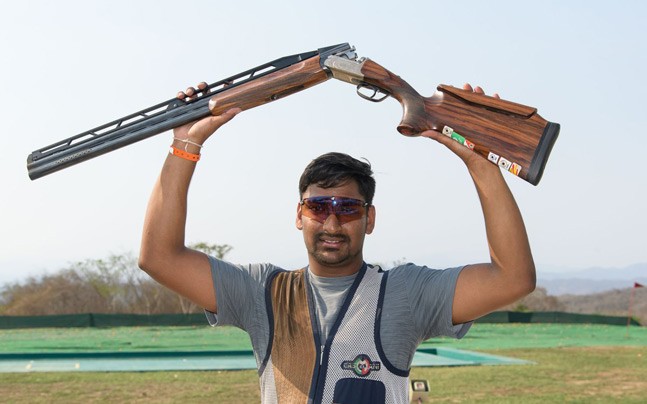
(186, 95)
(201, 130)
(230, 114)
(440, 138)
(219, 120)
(202, 86)
(460, 150)
(190, 93)
(478, 90)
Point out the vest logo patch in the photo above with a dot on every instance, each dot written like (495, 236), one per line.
(361, 365)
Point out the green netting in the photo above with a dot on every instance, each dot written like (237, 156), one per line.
(129, 320)
(101, 320)
(495, 317)
(553, 317)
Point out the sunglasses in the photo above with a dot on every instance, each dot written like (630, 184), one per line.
(346, 209)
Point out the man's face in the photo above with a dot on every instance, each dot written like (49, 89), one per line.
(335, 248)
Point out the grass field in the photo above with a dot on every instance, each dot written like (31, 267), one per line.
(482, 336)
(603, 369)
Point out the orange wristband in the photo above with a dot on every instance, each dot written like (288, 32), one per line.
(183, 154)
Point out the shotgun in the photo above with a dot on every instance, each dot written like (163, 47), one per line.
(508, 134)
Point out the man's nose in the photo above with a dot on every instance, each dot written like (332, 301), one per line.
(331, 224)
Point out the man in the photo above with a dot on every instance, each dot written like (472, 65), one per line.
(338, 330)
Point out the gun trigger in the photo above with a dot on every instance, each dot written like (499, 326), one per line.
(375, 94)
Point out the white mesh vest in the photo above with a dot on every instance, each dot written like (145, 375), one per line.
(349, 368)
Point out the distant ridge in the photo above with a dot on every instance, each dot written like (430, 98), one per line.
(591, 280)
(579, 286)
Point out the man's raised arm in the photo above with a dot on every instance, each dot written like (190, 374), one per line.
(483, 288)
(163, 253)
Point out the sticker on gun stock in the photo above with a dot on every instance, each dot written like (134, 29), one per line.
(515, 169)
(493, 157)
(449, 132)
(505, 164)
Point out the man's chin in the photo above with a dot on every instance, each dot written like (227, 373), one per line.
(336, 258)
(331, 260)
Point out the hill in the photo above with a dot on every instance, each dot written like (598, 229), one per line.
(591, 280)
(612, 303)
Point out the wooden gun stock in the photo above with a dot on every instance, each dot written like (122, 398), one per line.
(511, 135)
(271, 87)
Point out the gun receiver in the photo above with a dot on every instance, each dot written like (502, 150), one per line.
(508, 134)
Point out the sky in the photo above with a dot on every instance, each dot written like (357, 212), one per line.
(69, 66)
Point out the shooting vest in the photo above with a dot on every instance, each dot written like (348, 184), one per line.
(349, 367)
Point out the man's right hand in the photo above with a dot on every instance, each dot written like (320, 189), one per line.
(200, 131)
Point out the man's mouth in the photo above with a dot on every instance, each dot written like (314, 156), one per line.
(332, 241)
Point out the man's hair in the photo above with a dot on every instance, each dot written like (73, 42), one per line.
(336, 169)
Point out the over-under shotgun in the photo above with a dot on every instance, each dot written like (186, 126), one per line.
(508, 134)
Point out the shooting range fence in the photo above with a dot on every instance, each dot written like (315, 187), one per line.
(198, 319)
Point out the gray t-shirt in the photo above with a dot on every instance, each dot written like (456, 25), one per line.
(417, 305)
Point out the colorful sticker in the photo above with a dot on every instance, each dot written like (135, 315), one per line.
(505, 164)
(460, 139)
(447, 131)
(515, 169)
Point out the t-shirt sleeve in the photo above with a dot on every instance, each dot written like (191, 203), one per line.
(240, 293)
(430, 295)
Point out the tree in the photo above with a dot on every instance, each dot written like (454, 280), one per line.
(110, 285)
(217, 250)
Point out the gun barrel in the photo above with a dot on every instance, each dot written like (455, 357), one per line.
(156, 119)
(94, 143)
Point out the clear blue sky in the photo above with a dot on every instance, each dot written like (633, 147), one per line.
(69, 66)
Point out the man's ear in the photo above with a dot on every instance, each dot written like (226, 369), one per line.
(370, 220)
(299, 221)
